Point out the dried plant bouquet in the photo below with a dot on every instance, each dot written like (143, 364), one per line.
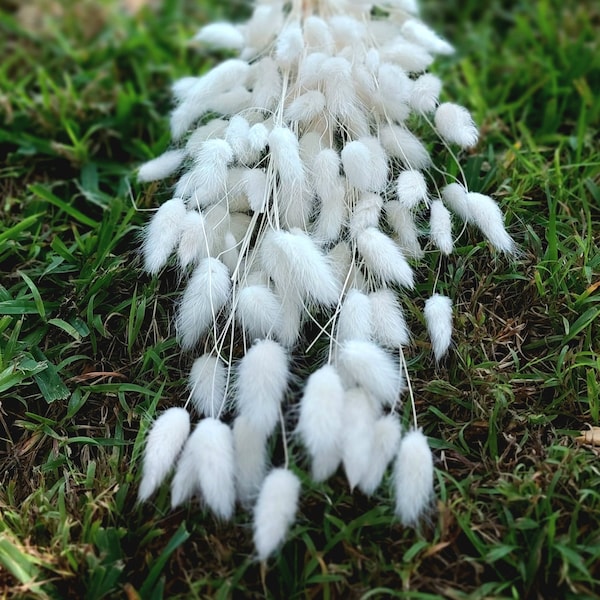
(308, 188)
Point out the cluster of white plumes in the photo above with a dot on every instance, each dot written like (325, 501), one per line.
(303, 196)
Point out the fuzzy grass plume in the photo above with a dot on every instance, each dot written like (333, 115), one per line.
(305, 192)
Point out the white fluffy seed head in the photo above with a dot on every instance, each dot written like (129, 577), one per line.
(365, 164)
(259, 310)
(215, 128)
(363, 363)
(305, 107)
(330, 188)
(438, 316)
(285, 154)
(236, 135)
(366, 213)
(356, 158)
(486, 214)
(425, 92)
(162, 166)
(360, 414)
(383, 257)
(413, 478)
(262, 380)
(455, 124)
(355, 320)
(440, 227)
(162, 234)
(206, 293)
(207, 180)
(416, 31)
(394, 87)
(216, 466)
(386, 437)
(275, 511)
(387, 320)
(193, 242)
(296, 264)
(320, 424)
(400, 143)
(347, 31)
(250, 450)
(317, 35)
(207, 382)
(454, 196)
(199, 96)
(185, 482)
(258, 137)
(402, 221)
(411, 188)
(266, 84)
(411, 57)
(164, 443)
(289, 46)
(221, 35)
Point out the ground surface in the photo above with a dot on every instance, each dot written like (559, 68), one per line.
(87, 356)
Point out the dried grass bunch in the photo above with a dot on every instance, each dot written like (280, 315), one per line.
(304, 196)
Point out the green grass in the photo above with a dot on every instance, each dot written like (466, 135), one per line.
(87, 356)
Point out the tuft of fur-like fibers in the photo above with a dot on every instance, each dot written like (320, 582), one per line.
(208, 378)
(331, 190)
(294, 262)
(455, 124)
(400, 143)
(164, 443)
(221, 35)
(216, 466)
(320, 425)
(162, 166)
(386, 437)
(360, 414)
(259, 311)
(440, 227)
(162, 234)
(206, 182)
(365, 213)
(262, 380)
(455, 198)
(275, 511)
(365, 364)
(402, 221)
(355, 318)
(185, 481)
(486, 214)
(413, 478)
(438, 316)
(411, 188)
(387, 320)
(416, 31)
(194, 244)
(383, 257)
(425, 93)
(250, 449)
(206, 293)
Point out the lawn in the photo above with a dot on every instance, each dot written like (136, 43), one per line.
(88, 356)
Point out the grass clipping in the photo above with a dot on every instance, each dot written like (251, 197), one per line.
(306, 193)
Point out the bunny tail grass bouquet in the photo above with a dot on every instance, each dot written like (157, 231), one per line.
(305, 194)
